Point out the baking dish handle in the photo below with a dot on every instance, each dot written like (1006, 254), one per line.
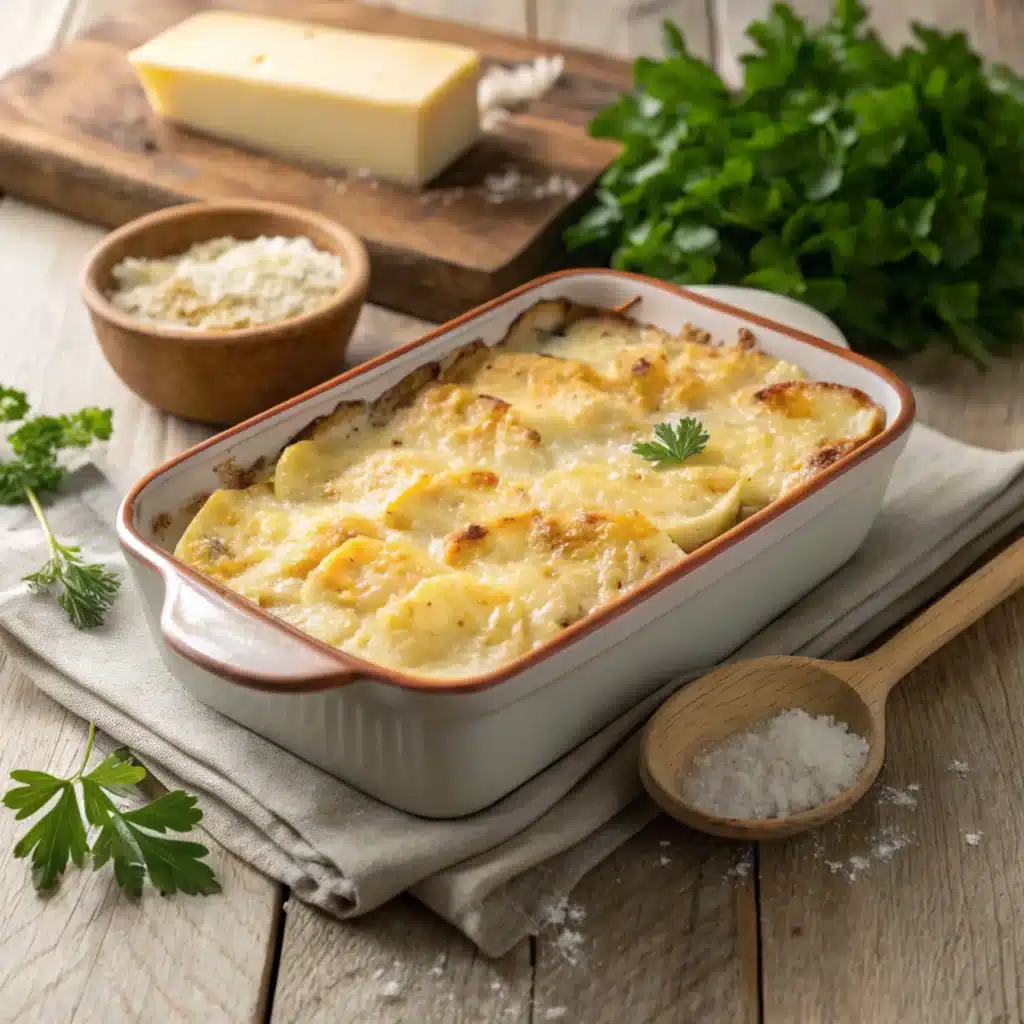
(215, 635)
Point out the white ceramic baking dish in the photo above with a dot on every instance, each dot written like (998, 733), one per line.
(447, 748)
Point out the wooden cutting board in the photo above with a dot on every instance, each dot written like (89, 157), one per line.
(76, 134)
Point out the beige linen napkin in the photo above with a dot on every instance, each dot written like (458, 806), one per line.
(493, 874)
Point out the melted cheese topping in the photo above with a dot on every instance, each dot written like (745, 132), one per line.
(479, 509)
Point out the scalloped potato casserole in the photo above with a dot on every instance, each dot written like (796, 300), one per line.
(487, 503)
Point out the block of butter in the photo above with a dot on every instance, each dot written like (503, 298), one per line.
(402, 108)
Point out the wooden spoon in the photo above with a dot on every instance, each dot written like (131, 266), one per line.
(732, 698)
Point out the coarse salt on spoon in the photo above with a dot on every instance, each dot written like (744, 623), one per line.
(737, 697)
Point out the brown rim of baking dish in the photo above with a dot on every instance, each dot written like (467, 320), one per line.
(351, 668)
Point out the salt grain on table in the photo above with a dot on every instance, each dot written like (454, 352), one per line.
(791, 762)
(555, 1012)
(562, 910)
(899, 797)
(973, 838)
(742, 867)
(885, 846)
(958, 767)
(568, 943)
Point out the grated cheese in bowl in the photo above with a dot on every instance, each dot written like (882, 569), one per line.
(226, 284)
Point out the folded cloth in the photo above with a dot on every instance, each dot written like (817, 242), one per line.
(492, 874)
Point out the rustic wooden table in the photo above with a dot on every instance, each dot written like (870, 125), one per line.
(672, 932)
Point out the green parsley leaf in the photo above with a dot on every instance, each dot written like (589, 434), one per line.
(54, 838)
(13, 404)
(85, 590)
(38, 791)
(674, 444)
(133, 840)
(117, 770)
(880, 186)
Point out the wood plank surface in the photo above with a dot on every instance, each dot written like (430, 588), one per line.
(30, 28)
(399, 965)
(77, 134)
(625, 27)
(935, 933)
(87, 954)
(996, 27)
(855, 925)
(667, 932)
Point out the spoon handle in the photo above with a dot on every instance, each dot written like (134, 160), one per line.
(877, 673)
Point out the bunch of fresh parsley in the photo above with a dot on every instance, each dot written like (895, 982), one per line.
(84, 590)
(884, 188)
(133, 840)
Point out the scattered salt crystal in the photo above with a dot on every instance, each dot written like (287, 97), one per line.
(495, 986)
(742, 867)
(378, 974)
(568, 944)
(391, 990)
(856, 864)
(973, 838)
(899, 797)
(560, 914)
(885, 846)
(555, 914)
(494, 118)
(510, 184)
(286, 906)
(791, 762)
(958, 767)
(438, 969)
(886, 849)
(555, 1012)
(562, 910)
(664, 861)
(502, 87)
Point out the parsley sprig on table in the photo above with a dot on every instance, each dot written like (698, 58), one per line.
(85, 590)
(674, 444)
(882, 187)
(133, 840)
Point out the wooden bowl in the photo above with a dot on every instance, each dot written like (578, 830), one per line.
(222, 377)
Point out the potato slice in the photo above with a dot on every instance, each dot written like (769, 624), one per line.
(437, 505)
(450, 625)
(365, 573)
(691, 504)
